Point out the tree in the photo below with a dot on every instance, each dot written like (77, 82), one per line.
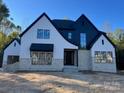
(119, 34)
(118, 40)
(19, 28)
(13, 35)
(4, 11)
(8, 30)
(4, 39)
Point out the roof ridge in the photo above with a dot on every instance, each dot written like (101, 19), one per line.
(63, 20)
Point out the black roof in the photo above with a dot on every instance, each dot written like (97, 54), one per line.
(81, 25)
(64, 24)
(94, 40)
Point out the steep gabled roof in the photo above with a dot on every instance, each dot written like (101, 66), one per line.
(94, 40)
(83, 17)
(108, 39)
(17, 39)
(82, 25)
(97, 37)
(44, 14)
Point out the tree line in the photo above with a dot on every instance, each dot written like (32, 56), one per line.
(8, 30)
(117, 37)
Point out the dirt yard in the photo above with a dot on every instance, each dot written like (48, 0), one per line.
(61, 82)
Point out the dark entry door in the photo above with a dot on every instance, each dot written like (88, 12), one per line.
(69, 58)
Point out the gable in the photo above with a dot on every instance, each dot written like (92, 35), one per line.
(44, 15)
(36, 21)
(30, 37)
(81, 25)
(17, 41)
(85, 21)
(103, 47)
(12, 49)
(33, 24)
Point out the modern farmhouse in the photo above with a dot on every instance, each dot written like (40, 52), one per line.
(54, 45)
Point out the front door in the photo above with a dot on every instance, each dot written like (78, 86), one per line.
(68, 57)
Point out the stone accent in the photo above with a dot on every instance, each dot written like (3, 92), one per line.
(105, 67)
(25, 65)
(11, 67)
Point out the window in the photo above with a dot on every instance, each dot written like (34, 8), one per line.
(40, 33)
(14, 44)
(46, 34)
(109, 57)
(43, 34)
(41, 58)
(11, 59)
(69, 35)
(83, 40)
(103, 56)
(102, 42)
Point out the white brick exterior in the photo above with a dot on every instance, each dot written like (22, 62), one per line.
(11, 50)
(85, 57)
(105, 67)
(55, 38)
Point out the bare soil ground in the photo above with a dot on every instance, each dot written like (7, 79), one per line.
(61, 82)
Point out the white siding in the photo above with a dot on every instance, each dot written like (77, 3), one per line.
(55, 38)
(106, 67)
(11, 50)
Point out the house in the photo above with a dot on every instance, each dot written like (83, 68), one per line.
(53, 45)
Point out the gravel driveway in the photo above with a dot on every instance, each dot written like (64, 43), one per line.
(61, 82)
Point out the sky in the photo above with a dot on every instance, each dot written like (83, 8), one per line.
(99, 12)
